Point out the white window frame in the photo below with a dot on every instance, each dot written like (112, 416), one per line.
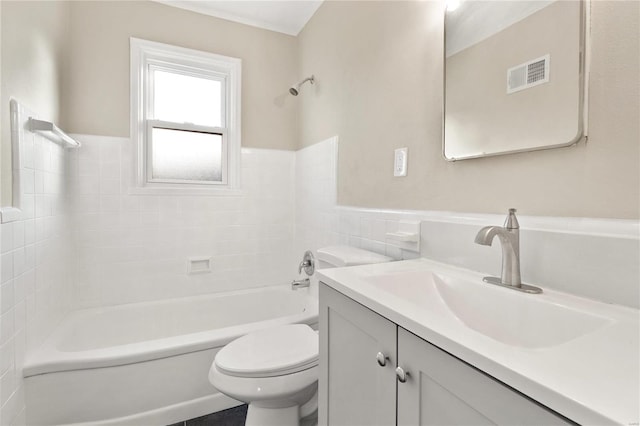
(147, 56)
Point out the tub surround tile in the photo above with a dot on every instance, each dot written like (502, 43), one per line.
(35, 263)
(135, 248)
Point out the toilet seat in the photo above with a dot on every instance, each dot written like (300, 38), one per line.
(273, 352)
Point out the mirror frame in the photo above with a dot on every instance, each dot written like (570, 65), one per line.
(583, 101)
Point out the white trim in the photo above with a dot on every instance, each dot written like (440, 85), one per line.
(220, 67)
(288, 27)
(15, 212)
(175, 190)
(614, 228)
(586, 63)
(189, 127)
(194, 6)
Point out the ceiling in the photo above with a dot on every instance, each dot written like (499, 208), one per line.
(287, 16)
(475, 21)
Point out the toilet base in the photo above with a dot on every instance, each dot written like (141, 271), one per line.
(296, 415)
(260, 416)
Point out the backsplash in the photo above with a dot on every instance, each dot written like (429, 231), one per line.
(599, 260)
(36, 285)
(595, 258)
(135, 248)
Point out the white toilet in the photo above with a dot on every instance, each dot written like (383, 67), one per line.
(276, 370)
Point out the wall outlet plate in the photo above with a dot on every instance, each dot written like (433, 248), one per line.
(400, 162)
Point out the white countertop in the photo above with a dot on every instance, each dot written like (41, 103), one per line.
(592, 379)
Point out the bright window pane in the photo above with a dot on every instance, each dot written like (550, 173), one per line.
(183, 155)
(186, 99)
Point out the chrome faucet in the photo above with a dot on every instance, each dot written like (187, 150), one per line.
(296, 284)
(308, 265)
(509, 237)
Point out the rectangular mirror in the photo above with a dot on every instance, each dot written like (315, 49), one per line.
(514, 76)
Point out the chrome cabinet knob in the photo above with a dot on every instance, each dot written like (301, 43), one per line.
(402, 375)
(382, 360)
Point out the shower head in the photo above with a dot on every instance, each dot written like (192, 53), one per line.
(294, 90)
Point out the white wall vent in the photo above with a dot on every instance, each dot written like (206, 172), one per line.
(529, 74)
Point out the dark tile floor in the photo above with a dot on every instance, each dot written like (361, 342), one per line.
(232, 417)
(235, 417)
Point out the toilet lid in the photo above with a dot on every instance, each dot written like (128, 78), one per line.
(272, 352)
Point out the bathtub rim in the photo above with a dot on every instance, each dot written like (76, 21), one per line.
(175, 413)
(49, 359)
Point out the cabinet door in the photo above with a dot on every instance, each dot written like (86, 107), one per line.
(442, 390)
(353, 388)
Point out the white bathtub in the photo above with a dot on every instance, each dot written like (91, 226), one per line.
(147, 363)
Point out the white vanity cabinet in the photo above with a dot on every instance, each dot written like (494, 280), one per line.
(360, 351)
(354, 388)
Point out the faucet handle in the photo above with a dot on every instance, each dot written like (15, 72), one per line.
(308, 263)
(512, 220)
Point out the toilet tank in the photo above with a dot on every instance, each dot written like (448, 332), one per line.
(339, 256)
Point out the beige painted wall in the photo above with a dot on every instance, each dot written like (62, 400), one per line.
(379, 86)
(98, 92)
(34, 59)
(481, 116)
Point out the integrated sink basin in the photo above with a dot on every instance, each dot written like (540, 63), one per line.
(513, 318)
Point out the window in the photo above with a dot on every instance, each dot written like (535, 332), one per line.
(185, 118)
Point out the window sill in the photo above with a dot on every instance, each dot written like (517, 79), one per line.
(210, 192)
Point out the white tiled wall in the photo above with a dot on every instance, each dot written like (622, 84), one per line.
(35, 254)
(135, 247)
(315, 196)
